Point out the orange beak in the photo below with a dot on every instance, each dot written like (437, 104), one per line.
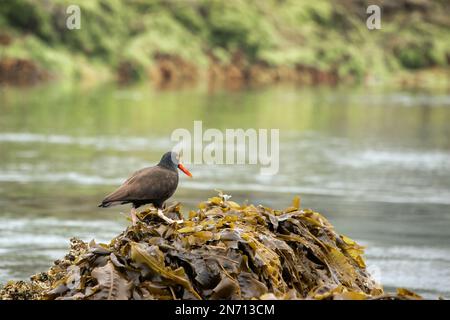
(186, 171)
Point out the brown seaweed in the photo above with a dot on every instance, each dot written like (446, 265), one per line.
(224, 250)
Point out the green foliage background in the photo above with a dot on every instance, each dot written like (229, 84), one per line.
(324, 35)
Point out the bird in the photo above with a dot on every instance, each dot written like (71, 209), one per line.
(151, 185)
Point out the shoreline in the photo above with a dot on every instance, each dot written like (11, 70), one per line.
(230, 44)
(175, 73)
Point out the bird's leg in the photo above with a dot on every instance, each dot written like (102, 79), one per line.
(166, 219)
(134, 218)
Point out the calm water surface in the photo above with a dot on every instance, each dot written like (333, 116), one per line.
(377, 164)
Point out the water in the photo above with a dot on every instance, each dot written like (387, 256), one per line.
(376, 163)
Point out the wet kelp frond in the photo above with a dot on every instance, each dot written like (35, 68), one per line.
(222, 251)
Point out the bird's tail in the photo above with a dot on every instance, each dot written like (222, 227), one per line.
(105, 204)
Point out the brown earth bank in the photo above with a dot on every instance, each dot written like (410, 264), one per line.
(240, 72)
(173, 71)
(21, 72)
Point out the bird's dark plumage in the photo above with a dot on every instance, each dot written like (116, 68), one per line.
(149, 185)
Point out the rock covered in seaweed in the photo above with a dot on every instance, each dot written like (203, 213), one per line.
(222, 251)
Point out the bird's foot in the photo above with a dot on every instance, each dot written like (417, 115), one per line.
(134, 218)
(167, 219)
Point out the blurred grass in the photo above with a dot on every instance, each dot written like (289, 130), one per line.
(329, 36)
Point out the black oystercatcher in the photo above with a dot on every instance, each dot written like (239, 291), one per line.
(149, 185)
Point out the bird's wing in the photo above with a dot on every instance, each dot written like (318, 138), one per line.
(146, 184)
(122, 193)
(154, 183)
(134, 175)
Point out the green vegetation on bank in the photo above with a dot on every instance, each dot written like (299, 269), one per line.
(130, 38)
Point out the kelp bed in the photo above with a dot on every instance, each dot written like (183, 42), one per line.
(222, 251)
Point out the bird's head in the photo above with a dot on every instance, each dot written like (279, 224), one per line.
(172, 160)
